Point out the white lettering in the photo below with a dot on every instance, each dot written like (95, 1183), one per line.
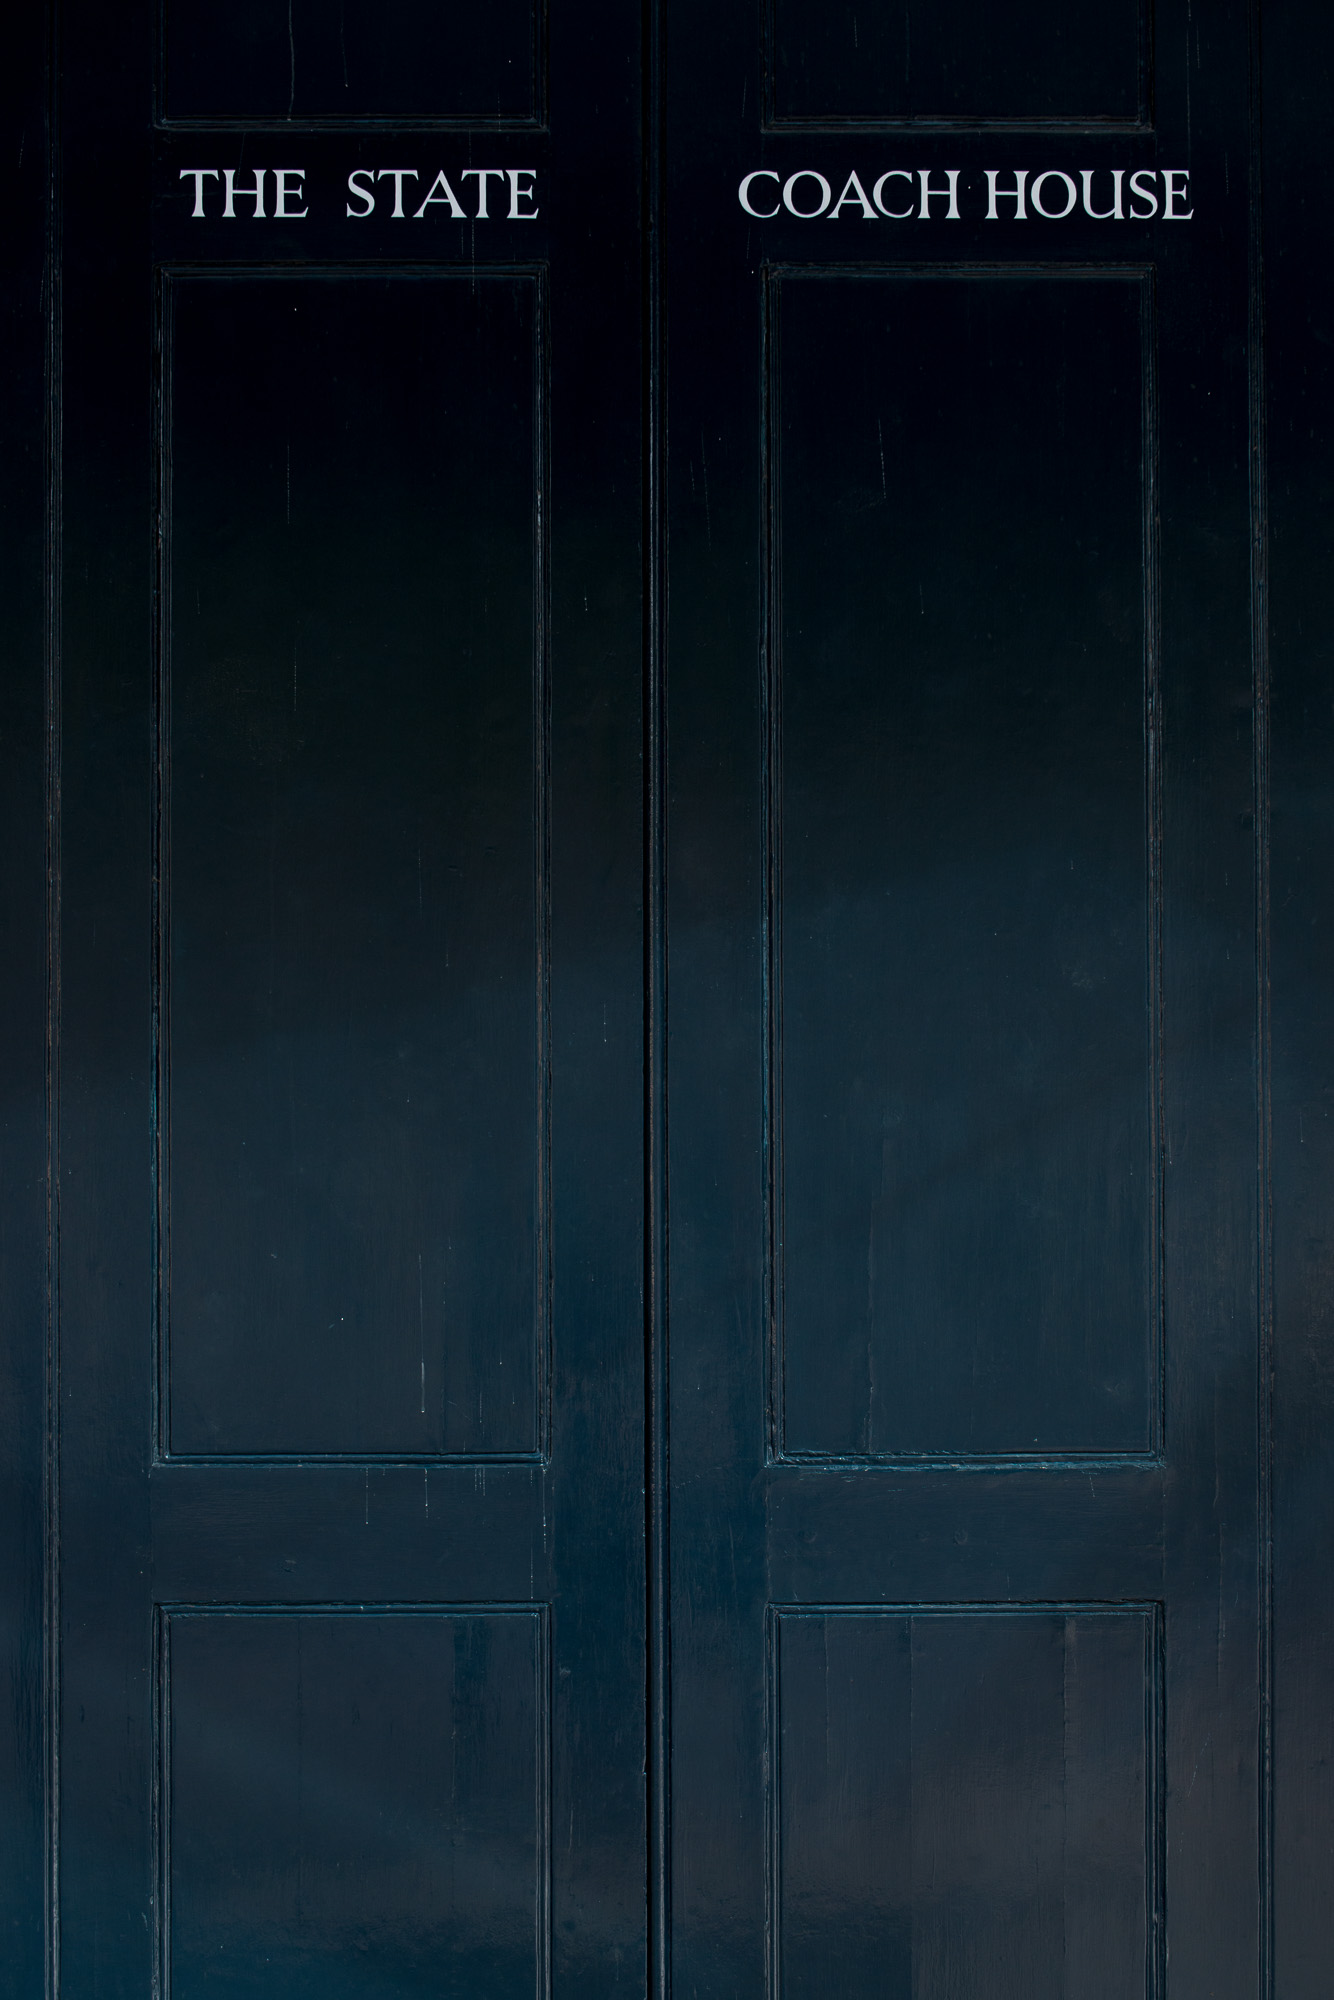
(446, 194)
(743, 194)
(282, 194)
(949, 194)
(199, 175)
(398, 175)
(1145, 194)
(1115, 212)
(484, 174)
(1014, 194)
(853, 192)
(1053, 214)
(789, 202)
(1173, 193)
(518, 194)
(366, 194)
(939, 194)
(255, 194)
(894, 214)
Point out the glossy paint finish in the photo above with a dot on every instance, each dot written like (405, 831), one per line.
(678, 1278)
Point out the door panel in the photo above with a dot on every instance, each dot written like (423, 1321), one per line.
(353, 854)
(388, 63)
(913, 61)
(890, 1725)
(964, 1112)
(963, 930)
(295, 1835)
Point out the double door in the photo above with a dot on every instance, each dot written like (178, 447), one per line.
(641, 905)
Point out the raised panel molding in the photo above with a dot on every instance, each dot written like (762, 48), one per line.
(928, 64)
(351, 834)
(353, 1791)
(364, 63)
(965, 1247)
(966, 1799)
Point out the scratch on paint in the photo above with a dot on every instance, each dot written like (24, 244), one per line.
(421, 1332)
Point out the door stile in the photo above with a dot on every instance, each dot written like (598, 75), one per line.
(656, 1291)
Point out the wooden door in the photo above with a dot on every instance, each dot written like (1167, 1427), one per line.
(664, 1097)
(346, 1654)
(968, 1339)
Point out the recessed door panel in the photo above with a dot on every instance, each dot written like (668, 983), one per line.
(352, 63)
(964, 924)
(964, 1801)
(944, 62)
(352, 830)
(303, 1850)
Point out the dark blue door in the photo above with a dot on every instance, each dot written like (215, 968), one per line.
(348, 1654)
(664, 1099)
(968, 1006)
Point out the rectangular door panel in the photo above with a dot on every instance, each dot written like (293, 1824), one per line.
(963, 923)
(945, 62)
(295, 1836)
(352, 865)
(391, 62)
(965, 1801)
